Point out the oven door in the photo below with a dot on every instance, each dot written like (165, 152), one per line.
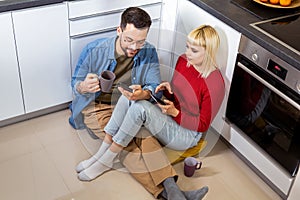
(267, 111)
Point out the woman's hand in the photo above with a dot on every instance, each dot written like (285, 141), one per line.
(164, 86)
(169, 109)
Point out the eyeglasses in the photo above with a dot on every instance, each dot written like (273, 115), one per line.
(130, 41)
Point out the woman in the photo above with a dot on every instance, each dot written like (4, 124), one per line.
(193, 98)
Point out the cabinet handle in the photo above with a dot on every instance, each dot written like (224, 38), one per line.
(93, 33)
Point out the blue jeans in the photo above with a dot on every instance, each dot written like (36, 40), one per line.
(129, 116)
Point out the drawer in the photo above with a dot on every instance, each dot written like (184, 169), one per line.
(92, 7)
(94, 24)
(105, 22)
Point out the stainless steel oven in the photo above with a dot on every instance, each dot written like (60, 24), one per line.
(264, 106)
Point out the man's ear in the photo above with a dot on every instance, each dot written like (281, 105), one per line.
(119, 30)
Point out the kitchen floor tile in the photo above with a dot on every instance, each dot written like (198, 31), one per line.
(66, 154)
(31, 177)
(17, 140)
(53, 128)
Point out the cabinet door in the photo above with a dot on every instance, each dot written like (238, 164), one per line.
(42, 38)
(10, 88)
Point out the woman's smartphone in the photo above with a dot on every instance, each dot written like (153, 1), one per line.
(125, 87)
(157, 100)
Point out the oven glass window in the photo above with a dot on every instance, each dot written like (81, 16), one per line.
(268, 119)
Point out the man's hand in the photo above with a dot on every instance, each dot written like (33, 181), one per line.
(89, 85)
(137, 94)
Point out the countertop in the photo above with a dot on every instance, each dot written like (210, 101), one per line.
(224, 10)
(9, 5)
(240, 20)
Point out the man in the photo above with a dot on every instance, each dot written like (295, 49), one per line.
(135, 62)
(129, 56)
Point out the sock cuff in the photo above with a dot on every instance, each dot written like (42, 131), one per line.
(108, 157)
(105, 145)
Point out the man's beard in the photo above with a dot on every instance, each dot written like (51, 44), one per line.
(125, 50)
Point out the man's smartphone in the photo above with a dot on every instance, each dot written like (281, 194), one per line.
(125, 87)
(157, 100)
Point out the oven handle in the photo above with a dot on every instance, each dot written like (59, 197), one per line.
(271, 87)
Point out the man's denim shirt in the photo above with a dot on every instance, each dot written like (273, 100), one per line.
(98, 56)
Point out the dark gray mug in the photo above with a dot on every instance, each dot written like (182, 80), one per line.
(106, 80)
(191, 164)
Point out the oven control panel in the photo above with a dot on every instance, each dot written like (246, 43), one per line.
(264, 59)
(277, 69)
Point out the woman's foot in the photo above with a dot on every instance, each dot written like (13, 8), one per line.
(87, 163)
(93, 171)
(102, 165)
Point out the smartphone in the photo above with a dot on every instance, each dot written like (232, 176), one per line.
(125, 87)
(157, 100)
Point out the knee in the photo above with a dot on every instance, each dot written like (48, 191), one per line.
(141, 106)
(123, 99)
(123, 102)
(138, 105)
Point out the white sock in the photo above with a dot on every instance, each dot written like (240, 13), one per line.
(102, 165)
(86, 163)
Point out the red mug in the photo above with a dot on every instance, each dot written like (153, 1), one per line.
(191, 164)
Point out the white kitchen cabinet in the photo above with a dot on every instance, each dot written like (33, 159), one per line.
(94, 7)
(106, 21)
(167, 40)
(42, 40)
(11, 103)
(226, 56)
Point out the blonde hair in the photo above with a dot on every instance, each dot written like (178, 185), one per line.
(208, 38)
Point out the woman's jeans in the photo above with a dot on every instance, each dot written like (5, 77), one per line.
(129, 116)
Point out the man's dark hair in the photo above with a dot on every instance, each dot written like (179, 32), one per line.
(136, 16)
